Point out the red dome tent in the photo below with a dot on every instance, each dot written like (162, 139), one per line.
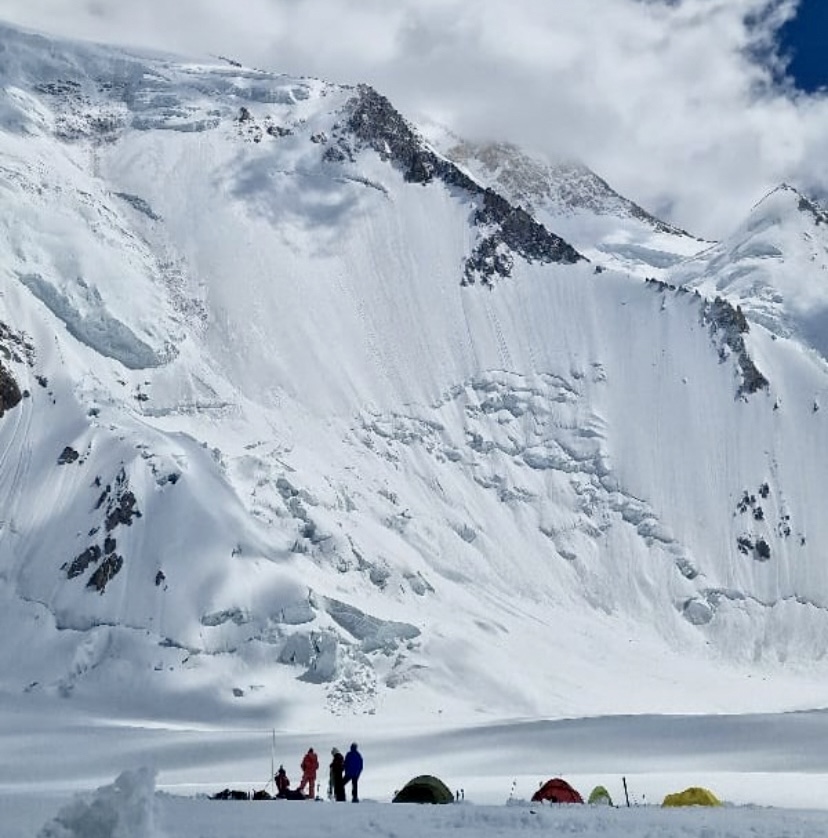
(557, 790)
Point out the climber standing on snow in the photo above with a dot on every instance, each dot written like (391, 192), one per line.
(336, 783)
(309, 766)
(353, 768)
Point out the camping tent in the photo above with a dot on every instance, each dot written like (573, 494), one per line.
(599, 796)
(557, 790)
(694, 796)
(424, 789)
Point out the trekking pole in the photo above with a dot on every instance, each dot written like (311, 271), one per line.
(626, 795)
(273, 759)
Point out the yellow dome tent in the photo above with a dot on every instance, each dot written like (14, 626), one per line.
(694, 796)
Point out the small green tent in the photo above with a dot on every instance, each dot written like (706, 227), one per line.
(424, 789)
(694, 796)
(599, 796)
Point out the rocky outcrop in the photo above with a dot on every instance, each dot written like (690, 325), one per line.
(10, 394)
(729, 325)
(16, 349)
(506, 230)
(119, 507)
(819, 215)
(68, 455)
(513, 231)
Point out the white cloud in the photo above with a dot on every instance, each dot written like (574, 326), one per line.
(663, 99)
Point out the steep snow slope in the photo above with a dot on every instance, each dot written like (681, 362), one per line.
(775, 266)
(571, 199)
(315, 422)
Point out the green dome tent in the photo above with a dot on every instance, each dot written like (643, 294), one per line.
(424, 789)
(694, 796)
(599, 796)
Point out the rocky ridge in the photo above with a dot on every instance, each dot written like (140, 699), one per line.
(505, 229)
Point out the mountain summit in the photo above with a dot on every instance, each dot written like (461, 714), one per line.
(300, 414)
(775, 266)
(570, 198)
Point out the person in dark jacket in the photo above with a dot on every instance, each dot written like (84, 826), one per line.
(336, 783)
(282, 782)
(353, 768)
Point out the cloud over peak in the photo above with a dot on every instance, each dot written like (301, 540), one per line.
(678, 103)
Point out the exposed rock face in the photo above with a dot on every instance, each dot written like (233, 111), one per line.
(16, 348)
(108, 568)
(119, 507)
(505, 229)
(727, 325)
(515, 231)
(10, 394)
(808, 206)
(81, 563)
(730, 324)
(374, 121)
(68, 455)
(122, 511)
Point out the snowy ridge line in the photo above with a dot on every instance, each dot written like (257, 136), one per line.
(570, 199)
(773, 267)
(804, 203)
(568, 187)
(375, 122)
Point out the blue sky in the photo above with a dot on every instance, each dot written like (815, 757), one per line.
(805, 39)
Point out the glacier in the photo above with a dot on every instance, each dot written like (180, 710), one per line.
(322, 413)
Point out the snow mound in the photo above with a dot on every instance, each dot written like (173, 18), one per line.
(123, 809)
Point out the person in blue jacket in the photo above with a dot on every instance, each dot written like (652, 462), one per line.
(353, 768)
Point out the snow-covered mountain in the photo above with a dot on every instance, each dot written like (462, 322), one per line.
(774, 266)
(304, 414)
(571, 199)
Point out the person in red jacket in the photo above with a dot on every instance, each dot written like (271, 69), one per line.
(309, 766)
